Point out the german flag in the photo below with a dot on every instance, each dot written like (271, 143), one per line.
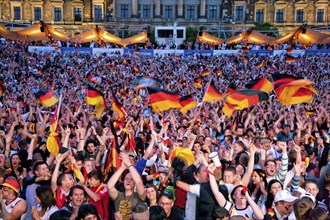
(187, 102)
(2, 89)
(117, 107)
(211, 94)
(246, 49)
(21, 101)
(245, 98)
(46, 99)
(310, 111)
(245, 59)
(161, 100)
(91, 79)
(53, 141)
(136, 68)
(131, 145)
(137, 52)
(113, 159)
(260, 64)
(289, 51)
(290, 59)
(261, 84)
(76, 171)
(295, 92)
(206, 72)
(217, 71)
(281, 79)
(40, 71)
(198, 82)
(95, 97)
(228, 109)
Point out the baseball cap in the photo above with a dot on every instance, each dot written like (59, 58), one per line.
(308, 195)
(284, 195)
(169, 192)
(12, 184)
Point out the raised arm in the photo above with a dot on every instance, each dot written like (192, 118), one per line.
(214, 186)
(113, 180)
(135, 175)
(247, 176)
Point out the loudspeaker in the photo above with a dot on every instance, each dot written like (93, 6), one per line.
(200, 33)
(148, 34)
(42, 29)
(303, 30)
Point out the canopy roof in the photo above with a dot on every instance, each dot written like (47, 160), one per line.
(251, 36)
(139, 38)
(5, 33)
(297, 36)
(96, 34)
(208, 38)
(34, 33)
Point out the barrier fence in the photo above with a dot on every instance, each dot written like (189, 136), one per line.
(153, 53)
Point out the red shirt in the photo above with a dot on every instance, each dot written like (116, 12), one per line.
(102, 204)
(60, 197)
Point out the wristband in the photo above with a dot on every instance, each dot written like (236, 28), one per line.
(209, 172)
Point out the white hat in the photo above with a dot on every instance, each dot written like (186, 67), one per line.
(308, 195)
(284, 195)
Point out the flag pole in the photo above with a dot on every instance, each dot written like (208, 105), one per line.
(58, 110)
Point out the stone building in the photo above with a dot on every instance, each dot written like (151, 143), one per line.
(118, 13)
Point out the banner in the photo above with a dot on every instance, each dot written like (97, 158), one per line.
(142, 52)
(34, 49)
(114, 51)
(317, 51)
(261, 51)
(165, 52)
(220, 52)
(202, 52)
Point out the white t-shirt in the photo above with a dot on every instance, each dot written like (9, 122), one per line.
(247, 213)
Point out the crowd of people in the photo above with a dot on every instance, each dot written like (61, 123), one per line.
(275, 160)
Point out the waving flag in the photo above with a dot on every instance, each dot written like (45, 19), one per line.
(187, 102)
(46, 99)
(261, 84)
(53, 141)
(290, 59)
(211, 94)
(260, 64)
(245, 98)
(229, 109)
(2, 89)
(206, 72)
(95, 97)
(289, 51)
(245, 59)
(281, 79)
(117, 107)
(136, 68)
(198, 82)
(161, 100)
(91, 79)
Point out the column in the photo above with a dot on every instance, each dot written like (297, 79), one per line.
(157, 8)
(202, 8)
(134, 9)
(180, 8)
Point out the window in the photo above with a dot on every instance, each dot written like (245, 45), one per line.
(57, 14)
(165, 33)
(37, 13)
(259, 15)
(168, 11)
(146, 11)
(98, 12)
(239, 13)
(179, 33)
(320, 15)
(124, 11)
(77, 14)
(17, 13)
(300, 16)
(279, 16)
(213, 11)
(191, 11)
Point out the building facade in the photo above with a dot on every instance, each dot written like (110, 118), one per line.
(216, 13)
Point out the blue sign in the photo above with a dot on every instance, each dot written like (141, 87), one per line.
(84, 50)
(261, 51)
(143, 52)
(317, 51)
(68, 50)
(202, 52)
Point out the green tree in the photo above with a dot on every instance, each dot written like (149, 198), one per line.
(265, 27)
(191, 34)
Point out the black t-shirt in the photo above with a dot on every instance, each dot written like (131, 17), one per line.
(176, 214)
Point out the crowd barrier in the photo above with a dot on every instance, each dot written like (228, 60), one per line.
(153, 53)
